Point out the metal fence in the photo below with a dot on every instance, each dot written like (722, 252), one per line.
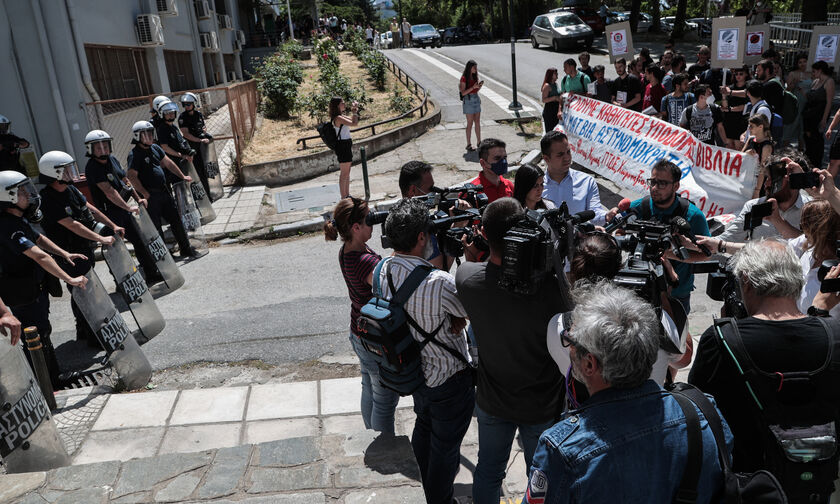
(229, 114)
(790, 40)
(795, 18)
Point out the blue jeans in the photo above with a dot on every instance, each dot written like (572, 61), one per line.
(378, 402)
(495, 437)
(443, 416)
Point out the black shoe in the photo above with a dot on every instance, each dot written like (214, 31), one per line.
(153, 279)
(190, 252)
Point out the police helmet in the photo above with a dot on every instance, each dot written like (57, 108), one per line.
(5, 125)
(58, 165)
(10, 183)
(158, 101)
(168, 108)
(95, 136)
(138, 128)
(189, 98)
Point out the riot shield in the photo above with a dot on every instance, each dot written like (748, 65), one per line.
(29, 438)
(128, 360)
(201, 200)
(157, 249)
(133, 289)
(190, 216)
(211, 168)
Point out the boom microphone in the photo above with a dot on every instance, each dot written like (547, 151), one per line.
(684, 228)
(620, 219)
(584, 216)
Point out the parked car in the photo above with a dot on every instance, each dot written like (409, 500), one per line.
(385, 40)
(424, 35)
(461, 35)
(589, 16)
(561, 29)
(614, 17)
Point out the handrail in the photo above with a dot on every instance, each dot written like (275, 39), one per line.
(423, 107)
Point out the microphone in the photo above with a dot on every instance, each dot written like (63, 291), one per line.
(620, 219)
(585, 215)
(684, 228)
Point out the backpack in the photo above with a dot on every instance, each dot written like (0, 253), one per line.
(790, 108)
(682, 209)
(383, 328)
(760, 487)
(328, 135)
(777, 125)
(798, 426)
(580, 76)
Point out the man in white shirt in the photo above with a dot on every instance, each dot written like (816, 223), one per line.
(577, 189)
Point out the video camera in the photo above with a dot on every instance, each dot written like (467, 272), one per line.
(722, 286)
(832, 284)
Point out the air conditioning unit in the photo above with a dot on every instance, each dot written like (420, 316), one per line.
(209, 41)
(202, 9)
(231, 76)
(167, 7)
(237, 45)
(240, 36)
(225, 22)
(149, 30)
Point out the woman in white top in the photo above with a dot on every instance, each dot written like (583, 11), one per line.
(343, 150)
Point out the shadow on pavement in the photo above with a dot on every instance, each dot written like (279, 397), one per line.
(389, 454)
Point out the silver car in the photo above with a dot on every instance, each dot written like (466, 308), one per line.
(559, 30)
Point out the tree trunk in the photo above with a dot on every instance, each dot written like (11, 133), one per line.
(635, 7)
(505, 20)
(814, 11)
(656, 14)
(679, 19)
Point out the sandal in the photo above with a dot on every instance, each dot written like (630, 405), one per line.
(470, 148)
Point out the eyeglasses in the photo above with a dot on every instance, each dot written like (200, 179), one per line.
(565, 340)
(652, 182)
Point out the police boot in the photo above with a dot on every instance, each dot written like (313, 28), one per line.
(52, 361)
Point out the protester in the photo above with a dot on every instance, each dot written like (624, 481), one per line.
(344, 149)
(772, 87)
(704, 118)
(634, 68)
(734, 119)
(626, 89)
(551, 99)
(776, 336)
(613, 343)
(680, 99)
(759, 143)
(704, 55)
(654, 92)
(798, 82)
(645, 59)
(602, 87)
(492, 158)
(818, 103)
(820, 229)
(444, 404)
(677, 67)
(565, 184)
(528, 188)
(519, 387)
(665, 62)
(469, 88)
(583, 59)
(574, 81)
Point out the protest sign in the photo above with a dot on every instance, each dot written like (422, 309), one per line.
(824, 43)
(755, 43)
(619, 41)
(728, 42)
(622, 145)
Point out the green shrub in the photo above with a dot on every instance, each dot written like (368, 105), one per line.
(327, 53)
(399, 102)
(278, 78)
(375, 64)
(293, 48)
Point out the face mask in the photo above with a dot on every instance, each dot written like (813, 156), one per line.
(32, 213)
(500, 167)
(710, 100)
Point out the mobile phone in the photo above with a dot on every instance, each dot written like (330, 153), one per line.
(803, 180)
(481, 83)
(757, 213)
(777, 172)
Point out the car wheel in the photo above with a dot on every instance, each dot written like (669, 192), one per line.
(534, 42)
(589, 44)
(556, 45)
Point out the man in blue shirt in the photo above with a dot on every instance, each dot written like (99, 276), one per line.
(628, 443)
(577, 189)
(663, 204)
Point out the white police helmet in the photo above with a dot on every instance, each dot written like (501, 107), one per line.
(5, 124)
(168, 108)
(96, 136)
(12, 185)
(58, 165)
(158, 101)
(138, 128)
(189, 98)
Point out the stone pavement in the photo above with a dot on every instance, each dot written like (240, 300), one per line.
(236, 211)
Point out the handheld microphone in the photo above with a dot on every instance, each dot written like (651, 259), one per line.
(620, 219)
(684, 228)
(583, 216)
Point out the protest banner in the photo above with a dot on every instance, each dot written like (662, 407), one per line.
(756, 42)
(728, 42)
(619, 41)
(622, 145)
(824, 43)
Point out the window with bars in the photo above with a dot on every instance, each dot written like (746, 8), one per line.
(118, 72)
(180, 70)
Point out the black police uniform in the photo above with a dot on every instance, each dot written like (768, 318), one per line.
(170, 135)
(146, 162)
(10, 154)
(156, 120)
(194, 122)
(112, 173)
(23, 284)
(58, 205)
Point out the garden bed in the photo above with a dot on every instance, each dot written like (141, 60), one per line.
(275, 138)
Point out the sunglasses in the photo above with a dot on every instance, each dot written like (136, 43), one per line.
(652, 182)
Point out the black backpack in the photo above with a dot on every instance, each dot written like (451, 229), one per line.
(681, 211)
(798, 425)
(328, 135)
(760, 487)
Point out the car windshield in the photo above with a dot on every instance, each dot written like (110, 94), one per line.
(566, 20)
(423, 28)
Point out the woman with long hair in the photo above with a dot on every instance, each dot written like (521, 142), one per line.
(820, 225)
(734, 120)
(798, 82)
(551, 99)
(344, 150)
(760, 144)
(528, 187)
(469, 88)
(357, 262)
(815, 114)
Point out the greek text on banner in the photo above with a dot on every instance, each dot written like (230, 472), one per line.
(622, 145)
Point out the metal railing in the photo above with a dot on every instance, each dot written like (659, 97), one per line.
(795, 18)
(418, 91)
(790, 40)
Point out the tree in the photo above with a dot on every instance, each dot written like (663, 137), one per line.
(679, 19)
(635, 7)
(814, 10)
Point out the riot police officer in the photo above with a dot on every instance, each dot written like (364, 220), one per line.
(156, 118)
(9, 323)
(25, 259)
(73, 223)
(10, 146)
(193, 129)
(146, 163)
(169, 137)
(109, 186)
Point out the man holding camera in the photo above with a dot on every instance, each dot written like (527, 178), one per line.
(493, 160)
(444, 404)
(579, 190)
(519, 386)
(776, 368)
(662, 205)
(628, 443)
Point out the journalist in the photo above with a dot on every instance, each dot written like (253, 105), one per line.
(662, 205)
(519, 387)
(528, 188)
(577, 189)
(416, 179)
(444, 405)
(628, 443)
(492, 157)
(785, 344)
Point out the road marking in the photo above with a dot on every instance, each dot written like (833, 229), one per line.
(491, 95)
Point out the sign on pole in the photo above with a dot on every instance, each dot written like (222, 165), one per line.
(728, 42)
(824, 43)
(755, 43)
(619, 41)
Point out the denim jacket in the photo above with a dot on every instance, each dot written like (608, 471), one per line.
(623, 445)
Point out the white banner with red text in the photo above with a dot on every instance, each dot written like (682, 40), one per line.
(622, 145)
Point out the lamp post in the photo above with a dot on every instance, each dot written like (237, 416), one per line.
(514, 105)
(289, 12)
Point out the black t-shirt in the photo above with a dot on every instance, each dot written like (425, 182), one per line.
(774, 94)
(16, 237)
(702, 123)
(58, 205)
(10, 154)
(193, 122)
(517, 378)
(735, 123)
(110, 172)
(630, 85)
(170, 135)
(696, 69)
(783, 346)
(146, 162)
(588, 72)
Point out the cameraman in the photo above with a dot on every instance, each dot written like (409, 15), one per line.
(776, 337)
(519, 387)
(444, 404)
(492, 157)
(577, 189)
(662, 204)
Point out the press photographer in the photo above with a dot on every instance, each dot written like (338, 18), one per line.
(519, 387)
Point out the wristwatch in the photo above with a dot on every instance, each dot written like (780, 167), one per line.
(817, 312)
